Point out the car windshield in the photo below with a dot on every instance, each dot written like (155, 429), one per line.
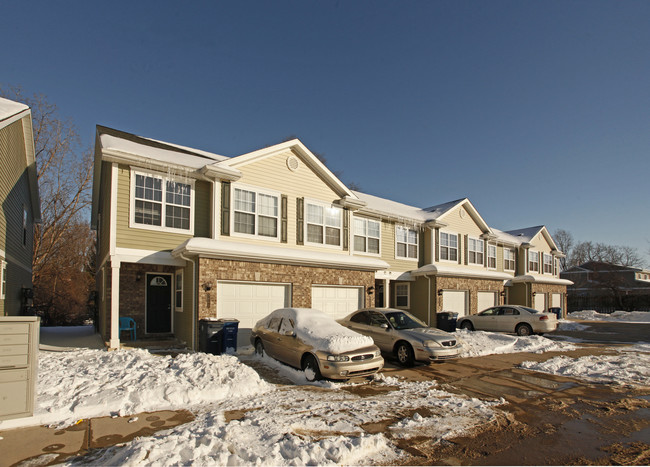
(400, 320)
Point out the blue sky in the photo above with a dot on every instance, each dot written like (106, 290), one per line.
(538, 112)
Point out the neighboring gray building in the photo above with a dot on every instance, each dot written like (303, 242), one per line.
(606, 287)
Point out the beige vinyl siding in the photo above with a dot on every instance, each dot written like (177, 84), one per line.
(465, 226)
(273, 174)
(419, 299)
(105, 211)
(540, 244)
(142, 239)
(388, 248)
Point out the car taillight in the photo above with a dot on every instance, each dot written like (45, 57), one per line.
(543, 318)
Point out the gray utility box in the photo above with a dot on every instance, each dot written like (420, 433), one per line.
(19, 337)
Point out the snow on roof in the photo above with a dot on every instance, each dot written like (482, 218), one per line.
(156, 150)
(391, 208)
(506, 237)
(526, 234)
(321, 331)
(441, 209)
(444, 270)
(9, 108)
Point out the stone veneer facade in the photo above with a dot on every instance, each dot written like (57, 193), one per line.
(301, 279)
(474, 286)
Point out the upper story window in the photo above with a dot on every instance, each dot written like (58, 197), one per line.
(255, 213)
(158, 201)
(508, 259)
(492, 256)
(323, 224)
(548, 264)
(448, 246)
(475, 250)
(406, 243)
(533, 261)
(366, 235)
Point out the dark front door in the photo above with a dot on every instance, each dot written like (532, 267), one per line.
(159, 303)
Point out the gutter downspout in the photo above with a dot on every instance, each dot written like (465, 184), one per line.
(195, 313)
(429, 301)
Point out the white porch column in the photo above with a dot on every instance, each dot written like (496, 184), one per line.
(115, 305)
(386, 293)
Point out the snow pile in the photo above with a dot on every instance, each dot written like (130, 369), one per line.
(92, 383)
(628, 366)
(309, 426)
(626, 316)
(478, 343)
(319, 330)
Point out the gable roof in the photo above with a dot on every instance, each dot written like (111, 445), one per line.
(527, 234)
(10, 111)
(600, 266)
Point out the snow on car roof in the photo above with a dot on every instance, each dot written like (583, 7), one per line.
(315, 328)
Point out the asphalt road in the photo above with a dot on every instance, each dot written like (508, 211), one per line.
(602, 332)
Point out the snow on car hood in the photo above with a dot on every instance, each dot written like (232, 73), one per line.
(319, 330)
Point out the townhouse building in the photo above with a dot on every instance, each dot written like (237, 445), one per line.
(21, 210)
(184, 235)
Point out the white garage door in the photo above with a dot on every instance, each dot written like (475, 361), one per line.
(486, 300)
(540, 302)
(455, 300)
(337, 302)
(556, 300)
(249, 301)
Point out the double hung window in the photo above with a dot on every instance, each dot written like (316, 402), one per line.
(159, 201)
(178, 290)
(406, 243)
(366, 235)
(402, 295)
(476, 252)
(508, 259)
(548, 264)
(533, 261)
(256, 213)
(448, 246)
(492, 256)
(323, 224)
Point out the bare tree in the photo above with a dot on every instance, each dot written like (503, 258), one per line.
(564, 240)
(613, 254)
(64, 180)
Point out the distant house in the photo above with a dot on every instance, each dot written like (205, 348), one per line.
(184, 234)
(20, 206)
(606, 287)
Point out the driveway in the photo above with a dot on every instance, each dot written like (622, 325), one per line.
(603, 332)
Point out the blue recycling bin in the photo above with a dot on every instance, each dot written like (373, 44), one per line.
(229, 338)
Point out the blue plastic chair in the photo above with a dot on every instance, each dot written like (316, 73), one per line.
(127, 324)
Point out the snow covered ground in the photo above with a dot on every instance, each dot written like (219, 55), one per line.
(322, 423)
(621, 316)
(629, 366)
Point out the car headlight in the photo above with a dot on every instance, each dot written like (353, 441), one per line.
(338, 358)
(377, 353)
(431, 344)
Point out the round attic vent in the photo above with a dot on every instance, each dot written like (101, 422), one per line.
(461, 213)
(293, 163)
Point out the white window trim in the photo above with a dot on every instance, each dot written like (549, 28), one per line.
(440, 246)
(469, 251)
(496, 255)
(353, 234)
(543, 267)
(3, 279)
(256, 190)
(176, 290)
(514, 259)
(530, 261)
(324, 205)
(417, 245)
(408, 295)
(165, 178)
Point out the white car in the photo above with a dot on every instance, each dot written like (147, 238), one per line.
(510, 318)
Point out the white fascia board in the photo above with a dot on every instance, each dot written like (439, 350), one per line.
(395, 276)
(220, 249)
(13, 118)
(539, 280)
(221, 172)
(113, 155)
(451, 271)
(130, 255)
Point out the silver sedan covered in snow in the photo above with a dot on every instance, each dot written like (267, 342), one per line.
(401, 334)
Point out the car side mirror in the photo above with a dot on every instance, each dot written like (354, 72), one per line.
(289, 333)
(385, 326)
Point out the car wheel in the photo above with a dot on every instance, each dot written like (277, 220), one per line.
(259, 348)
(524, 330)
(310, 367)
(467, 325)
(404, 354)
